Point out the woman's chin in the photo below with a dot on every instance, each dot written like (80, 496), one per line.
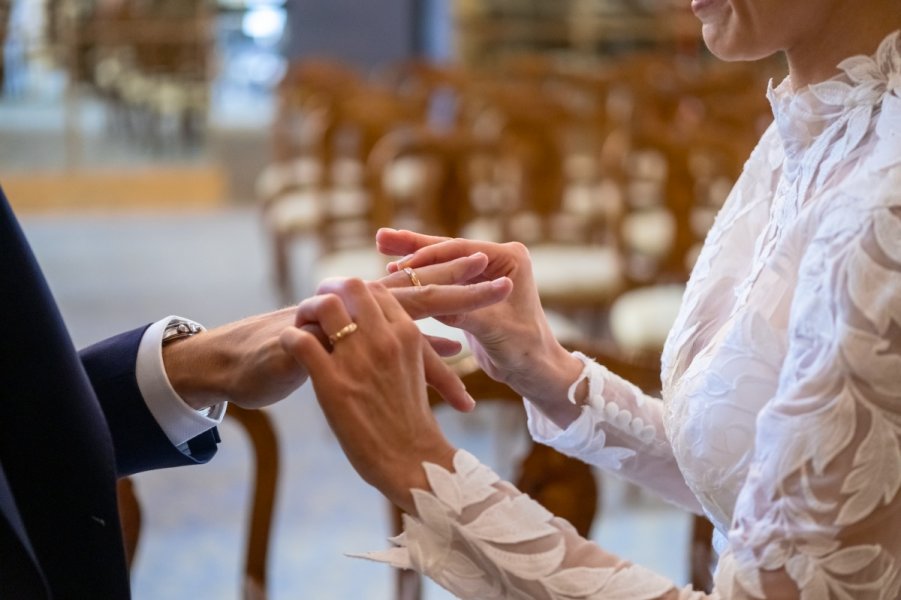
(731, 47)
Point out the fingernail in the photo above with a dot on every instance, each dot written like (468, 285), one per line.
(478, 255)
(400, 262)
(472, 402)
(499, 282)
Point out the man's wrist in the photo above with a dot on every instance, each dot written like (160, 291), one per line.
(180, 420)
(194, 366)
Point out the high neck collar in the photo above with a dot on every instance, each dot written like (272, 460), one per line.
(803, 116)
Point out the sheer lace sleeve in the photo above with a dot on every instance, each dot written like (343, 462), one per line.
(620, 429)
(479, 537)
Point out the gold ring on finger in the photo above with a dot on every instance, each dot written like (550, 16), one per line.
(414, 279)
(342, 333)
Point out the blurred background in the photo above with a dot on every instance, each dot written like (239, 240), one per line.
(217, 158)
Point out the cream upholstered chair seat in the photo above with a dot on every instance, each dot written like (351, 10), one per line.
(649, 232)
(303, 172)
(640, 319)
(294, 211)
(563, 270)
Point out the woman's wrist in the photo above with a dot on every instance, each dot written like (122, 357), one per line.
(400, 485)
(548, 383)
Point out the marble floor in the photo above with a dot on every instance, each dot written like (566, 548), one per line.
(110, 273)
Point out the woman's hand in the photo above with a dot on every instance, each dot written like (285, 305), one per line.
(371, 386)
(511, 339)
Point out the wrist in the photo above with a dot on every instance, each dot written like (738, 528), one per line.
(195, 368)
(548, 383)
(413, 477)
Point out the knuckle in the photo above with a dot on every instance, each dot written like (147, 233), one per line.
(354, 285)
(331, 302)
(377, 287)
(328, 284)
(408, 332)
(517, 248)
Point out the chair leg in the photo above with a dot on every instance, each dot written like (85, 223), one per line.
(263, 438)
(565, 486)
(129, 517)
(283, 280)
(408, 584)
(701, 558)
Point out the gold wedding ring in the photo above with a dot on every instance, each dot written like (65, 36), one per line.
(412, 275)
(342, 333)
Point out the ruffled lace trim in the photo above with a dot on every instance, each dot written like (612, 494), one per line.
(585, 438)
(845, 102)
(607, 411)
(483, 557)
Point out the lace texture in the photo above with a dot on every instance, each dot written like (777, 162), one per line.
(781, 410)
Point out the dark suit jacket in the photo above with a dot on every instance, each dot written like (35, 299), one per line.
(70, 424)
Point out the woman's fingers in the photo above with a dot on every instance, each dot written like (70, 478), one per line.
(396, 242)
(437, 374)
(443, 346)
(503, 259)
(448, 385)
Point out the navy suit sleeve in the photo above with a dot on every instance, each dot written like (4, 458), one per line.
(140, 444)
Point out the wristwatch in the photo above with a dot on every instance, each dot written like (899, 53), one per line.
(179, 328)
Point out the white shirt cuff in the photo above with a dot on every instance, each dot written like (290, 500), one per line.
(177, 419)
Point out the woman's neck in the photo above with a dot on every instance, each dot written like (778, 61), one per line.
(853, 28)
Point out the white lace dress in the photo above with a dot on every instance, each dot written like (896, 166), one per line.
(781, 410)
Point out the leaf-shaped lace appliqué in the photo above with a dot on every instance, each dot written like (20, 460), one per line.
(512, 548)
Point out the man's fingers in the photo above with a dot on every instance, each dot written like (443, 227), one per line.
(316, 331)
(444, 381)
(460, 270)
(306, 350)
(432, 300)
(327, 311)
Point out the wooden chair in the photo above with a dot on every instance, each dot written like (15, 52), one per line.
(334, 204)
(549, 201)
(259, 428)
(150, 63)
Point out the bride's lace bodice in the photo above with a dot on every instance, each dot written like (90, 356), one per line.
(781, 409)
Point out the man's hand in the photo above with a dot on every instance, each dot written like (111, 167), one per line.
(243, 362)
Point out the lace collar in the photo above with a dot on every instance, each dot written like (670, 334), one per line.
(835, 113)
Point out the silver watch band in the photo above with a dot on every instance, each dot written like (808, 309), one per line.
(177, 329)
(180, 328)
